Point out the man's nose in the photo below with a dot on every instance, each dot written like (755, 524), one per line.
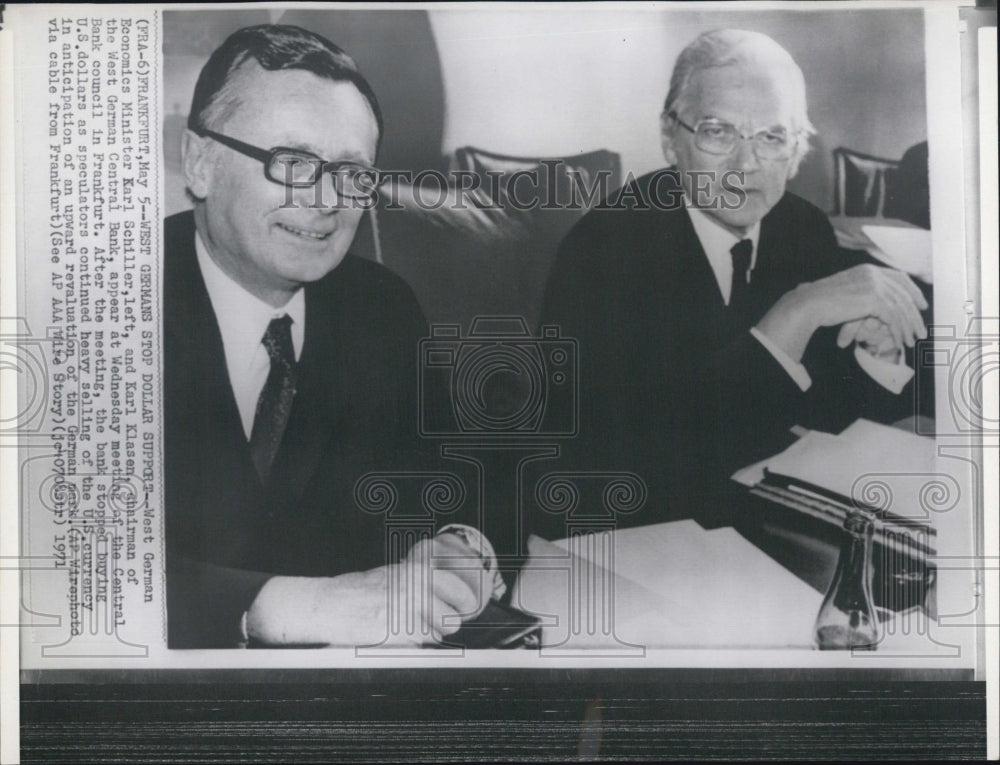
(746, 155)
(329, 193)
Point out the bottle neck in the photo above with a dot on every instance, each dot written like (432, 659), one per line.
(855, 555)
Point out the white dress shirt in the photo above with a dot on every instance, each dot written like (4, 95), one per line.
(243, 320)
(717, 242)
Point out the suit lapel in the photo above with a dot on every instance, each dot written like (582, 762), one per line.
(698, 270)
(683, 262)
(197, 342)
(213, 500)
(768, 248)
(775, 271)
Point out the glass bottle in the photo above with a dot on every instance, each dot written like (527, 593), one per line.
(847, 617)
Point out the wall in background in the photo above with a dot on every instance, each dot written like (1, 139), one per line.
(557, 82)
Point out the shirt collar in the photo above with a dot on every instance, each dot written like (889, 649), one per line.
(718, 241)
(242, 317)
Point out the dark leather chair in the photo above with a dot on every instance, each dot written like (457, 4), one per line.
(490, 253)
(862, 183)
(908, 196)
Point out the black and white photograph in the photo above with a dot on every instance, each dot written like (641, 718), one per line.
(636, 361)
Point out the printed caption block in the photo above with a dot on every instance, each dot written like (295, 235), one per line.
(90, 441)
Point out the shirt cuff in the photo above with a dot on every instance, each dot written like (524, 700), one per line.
(481, 546)
(892, 377)
(794, 369)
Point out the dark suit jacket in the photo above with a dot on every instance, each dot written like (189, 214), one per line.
(672, 384)
(355, 410)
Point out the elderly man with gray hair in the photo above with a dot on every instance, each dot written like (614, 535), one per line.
(714, 309)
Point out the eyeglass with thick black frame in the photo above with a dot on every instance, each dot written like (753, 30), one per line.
(297, 169)
(718, 137)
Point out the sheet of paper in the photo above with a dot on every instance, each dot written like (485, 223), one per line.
(908, 249)
(673, 585)
(812, 441)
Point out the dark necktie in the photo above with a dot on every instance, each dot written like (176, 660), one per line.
(275, 402)
(741, 253)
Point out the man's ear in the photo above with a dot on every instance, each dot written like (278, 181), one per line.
(793, 168)
(793, 165)
(667, 128)
(197, 161)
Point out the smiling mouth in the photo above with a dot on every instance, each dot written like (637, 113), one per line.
(317, 236)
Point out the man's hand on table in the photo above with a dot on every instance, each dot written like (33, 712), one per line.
(354, 609)
(847, 298)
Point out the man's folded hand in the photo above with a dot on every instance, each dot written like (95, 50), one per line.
(844, 298)
(441, 583)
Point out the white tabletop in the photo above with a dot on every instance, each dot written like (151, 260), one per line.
(676, 585)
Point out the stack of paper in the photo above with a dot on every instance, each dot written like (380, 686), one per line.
(874, 468)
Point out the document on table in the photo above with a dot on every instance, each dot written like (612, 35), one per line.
(886, 471)
(670, 585)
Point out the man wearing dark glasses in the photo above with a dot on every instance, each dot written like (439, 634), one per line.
(290, 365)
(717, 311)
